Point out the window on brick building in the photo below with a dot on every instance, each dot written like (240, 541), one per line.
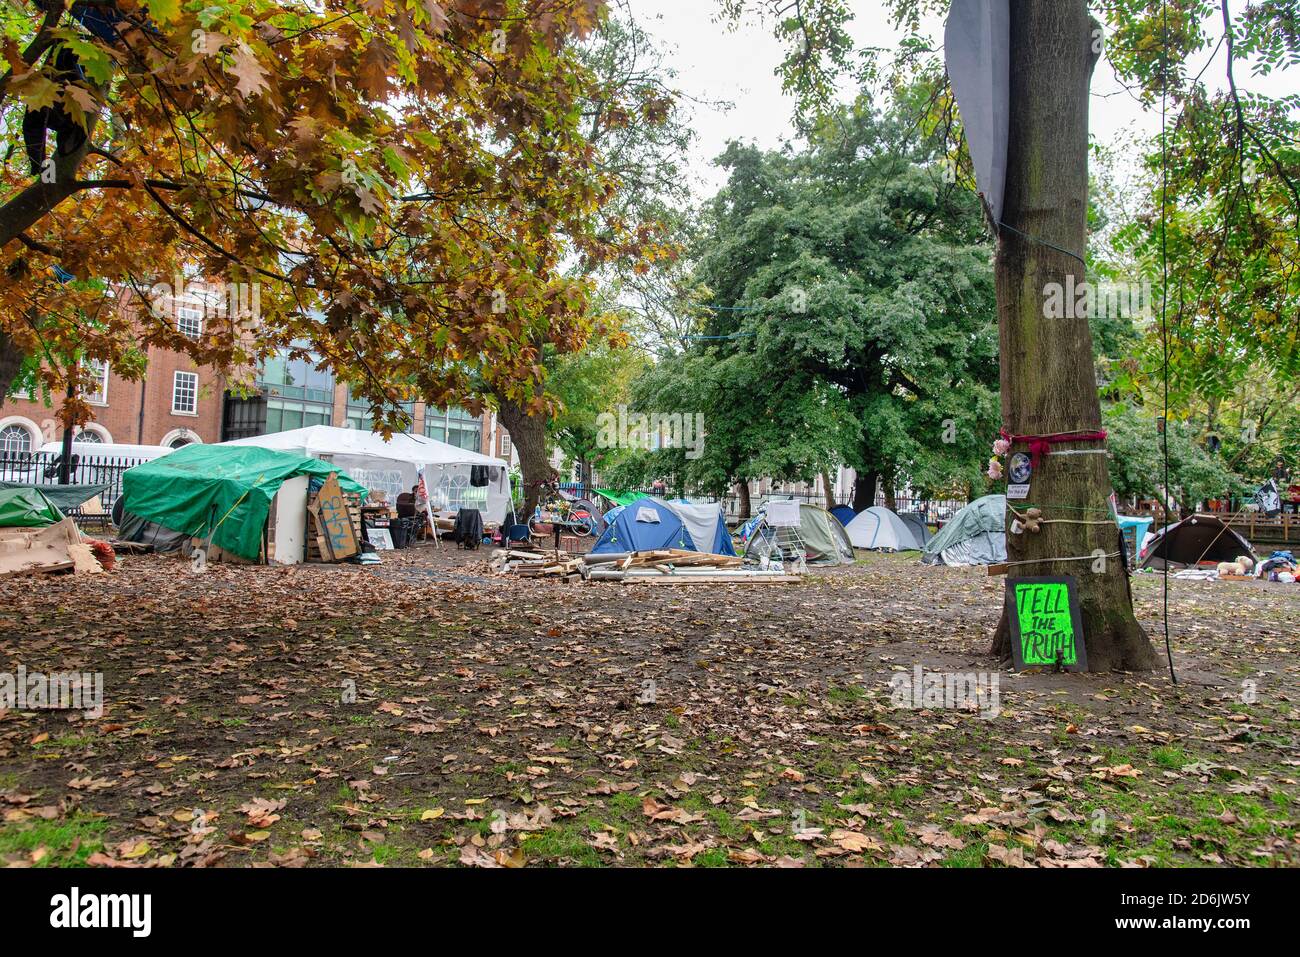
(15, 440)
(189, 320)
(185, 392)
(97, 390)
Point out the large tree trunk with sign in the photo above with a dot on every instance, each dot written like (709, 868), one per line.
(1048, 380)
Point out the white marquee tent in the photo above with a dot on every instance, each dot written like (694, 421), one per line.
(389, 465)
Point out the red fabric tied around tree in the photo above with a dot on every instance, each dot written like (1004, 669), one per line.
(1040, 444)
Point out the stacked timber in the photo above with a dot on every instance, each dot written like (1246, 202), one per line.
(531, 562)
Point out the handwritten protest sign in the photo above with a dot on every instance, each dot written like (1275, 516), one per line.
(334, 520)
(1046, 628)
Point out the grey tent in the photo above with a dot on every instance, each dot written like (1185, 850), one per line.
(916, 522)
(1201, 538)
(879, 528)
(825, 541)
(977, 535)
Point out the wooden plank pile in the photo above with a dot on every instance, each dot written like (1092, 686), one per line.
(675, 566)
(669, 566)
(529, 561)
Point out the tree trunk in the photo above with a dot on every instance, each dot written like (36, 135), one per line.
(11, 359)
(742, 491)
(891, 495)
(828, 489)
(1048, 380)
(864, 491)
(528, 433)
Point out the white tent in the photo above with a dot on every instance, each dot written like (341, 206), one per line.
(389, 465)
(99, 451)
(878, 527)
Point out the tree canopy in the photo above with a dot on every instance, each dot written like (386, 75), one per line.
(389, 175)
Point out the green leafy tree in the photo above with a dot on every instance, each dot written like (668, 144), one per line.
(854, 274)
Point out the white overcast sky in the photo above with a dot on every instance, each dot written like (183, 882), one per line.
(738, 66)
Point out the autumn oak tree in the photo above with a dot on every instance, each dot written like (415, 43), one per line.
(401, 178)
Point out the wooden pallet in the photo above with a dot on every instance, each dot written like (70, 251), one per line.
(316, 539)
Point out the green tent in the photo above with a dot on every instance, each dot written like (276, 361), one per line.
(27, 508)
(222, 490)
(977, 535)
(823, 538)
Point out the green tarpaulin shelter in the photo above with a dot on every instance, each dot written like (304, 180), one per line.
(621, 498)
(222, 490)
(63, 496)
(27, 508)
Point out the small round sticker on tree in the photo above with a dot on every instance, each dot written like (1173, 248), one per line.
(1020, 468)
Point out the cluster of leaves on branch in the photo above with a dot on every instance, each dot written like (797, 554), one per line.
(404, 179)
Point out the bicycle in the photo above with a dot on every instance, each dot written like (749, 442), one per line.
(574, 517)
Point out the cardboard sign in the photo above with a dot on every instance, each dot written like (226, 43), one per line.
(334, 520)
(1046, 627)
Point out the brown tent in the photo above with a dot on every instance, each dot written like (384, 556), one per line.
(1201, 538)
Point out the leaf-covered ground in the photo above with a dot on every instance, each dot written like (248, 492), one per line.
(506, 722)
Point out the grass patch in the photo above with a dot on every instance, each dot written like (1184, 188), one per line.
(66, 843)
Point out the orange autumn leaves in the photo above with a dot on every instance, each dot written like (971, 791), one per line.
(405, 181)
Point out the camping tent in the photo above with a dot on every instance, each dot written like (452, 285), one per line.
(221, 490)
(27, 507)
(455, 477)
(844, 514)
(651, 523)
(1201, 538)
(917, 523)
(825, 541)
(878, 527)
(974, 536)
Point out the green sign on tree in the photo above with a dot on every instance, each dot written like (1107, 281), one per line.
(1046, 630)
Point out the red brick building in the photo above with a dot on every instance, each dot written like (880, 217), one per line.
(176, 403)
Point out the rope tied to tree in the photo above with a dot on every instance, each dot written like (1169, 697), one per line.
(1032, 520)
(1040, 445)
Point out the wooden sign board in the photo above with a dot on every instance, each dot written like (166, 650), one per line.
(1046, 627)
(334, 520)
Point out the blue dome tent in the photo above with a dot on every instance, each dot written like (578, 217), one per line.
(651, 523)
(844, 514)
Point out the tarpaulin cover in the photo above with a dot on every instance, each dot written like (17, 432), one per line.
(64, 497)
(27, 508)
(225, 490)
(977, 535)
(621, 498)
